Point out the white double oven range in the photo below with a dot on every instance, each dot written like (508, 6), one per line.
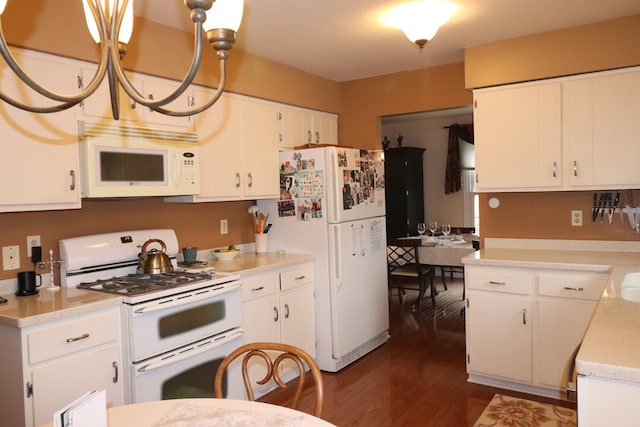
(177, 326)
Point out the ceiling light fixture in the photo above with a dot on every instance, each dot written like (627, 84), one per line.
(110, 24)
(421, 20)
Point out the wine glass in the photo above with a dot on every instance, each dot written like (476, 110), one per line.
(433, 226)
(421, 228)
(446, 230)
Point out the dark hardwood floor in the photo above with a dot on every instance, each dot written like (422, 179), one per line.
(418, 378)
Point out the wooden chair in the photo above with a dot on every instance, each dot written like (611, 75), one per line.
(272, 355)
(405, 271)
(455, 268)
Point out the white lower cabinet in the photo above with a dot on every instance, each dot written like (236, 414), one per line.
(278, 306)
(523, 325)
(498, 323)
(605, 402)
(54, 363)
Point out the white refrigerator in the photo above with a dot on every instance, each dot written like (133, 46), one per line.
(332, 205)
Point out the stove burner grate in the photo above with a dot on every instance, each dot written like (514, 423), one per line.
(136, 284)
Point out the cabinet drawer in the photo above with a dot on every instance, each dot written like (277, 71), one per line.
(259, 285)
(73, 336)
(498, 280)
(297, 276)
(572, 284)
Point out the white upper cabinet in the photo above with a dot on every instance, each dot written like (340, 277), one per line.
(601, 118)
(39, 162)
(518, 137)
(572, 133)
(300, 126)
(260, 176)
(98, 105)
(238, 149)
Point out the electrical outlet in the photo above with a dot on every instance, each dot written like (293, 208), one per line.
(31, 242)
(11, 257)
(224, 226)
(576, 218)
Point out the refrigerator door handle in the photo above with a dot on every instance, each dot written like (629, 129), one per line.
(337, 253)
(335, 191)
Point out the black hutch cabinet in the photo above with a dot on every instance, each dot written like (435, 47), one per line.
(404, 190)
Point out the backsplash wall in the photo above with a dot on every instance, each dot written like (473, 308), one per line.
(195, 224)
(548, 216)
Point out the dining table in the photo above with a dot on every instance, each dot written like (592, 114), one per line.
(208, 412)
(443, 252)
(447, 252)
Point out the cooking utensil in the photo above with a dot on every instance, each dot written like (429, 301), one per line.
(154, 261)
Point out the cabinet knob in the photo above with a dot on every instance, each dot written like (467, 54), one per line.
(575, 168)
(275, 314)
(286, 311)
(237, 180)
(524, 316)
(72, 187)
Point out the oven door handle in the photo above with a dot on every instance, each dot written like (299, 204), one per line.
(182, 355)
(191, 297)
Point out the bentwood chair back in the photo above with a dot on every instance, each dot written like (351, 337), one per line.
(273, 356)
(406, 272)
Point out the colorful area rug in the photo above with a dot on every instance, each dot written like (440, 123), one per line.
(515, 412)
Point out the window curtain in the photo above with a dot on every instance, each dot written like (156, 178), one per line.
(453, 175)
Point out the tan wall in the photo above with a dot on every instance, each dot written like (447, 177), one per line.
(594, 47)
(366, 100)
(548, 216)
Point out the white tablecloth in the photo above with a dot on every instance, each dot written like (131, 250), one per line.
(208, 412)
(440, 252)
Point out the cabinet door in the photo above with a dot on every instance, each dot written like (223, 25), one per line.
(60, 383)
(298, 319)
(291, 127)
(325, 128)
(218, 129)
(498, 329)
(600, 116)
(98, 105)
(39, 164)
(157, 89)
(560, 326)
(518, 137)
(261, 319)
(260, 142)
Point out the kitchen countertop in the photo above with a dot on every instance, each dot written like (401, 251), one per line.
(47, 306)
(251, 263)
(612, 341)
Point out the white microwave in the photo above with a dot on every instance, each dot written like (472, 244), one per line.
(129, 161)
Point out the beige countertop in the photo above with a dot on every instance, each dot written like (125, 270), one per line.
(47, 306)
(611, 345)
(250, 263)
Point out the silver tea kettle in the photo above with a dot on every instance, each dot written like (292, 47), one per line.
(154, 261)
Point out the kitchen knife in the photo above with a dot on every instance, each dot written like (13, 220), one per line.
(610, 204)
(594, 214)
(615, 205)
(601, 204)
